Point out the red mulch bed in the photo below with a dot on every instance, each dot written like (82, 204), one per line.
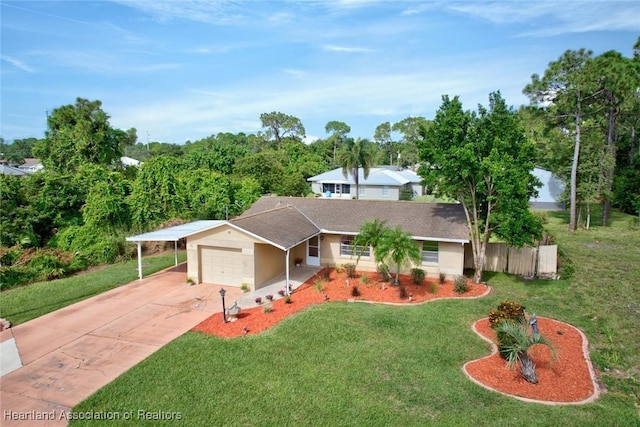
(564, 378)
(255, 320)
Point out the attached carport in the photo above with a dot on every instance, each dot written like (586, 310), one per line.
(172, 234)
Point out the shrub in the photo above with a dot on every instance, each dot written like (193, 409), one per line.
(319, 285)
(326, 274)
(287, 300)
(417, 276)
(258, 300)
(355, 292)
(281, 292)
(434, 288)
(507, 311)
(350, 269)
(269, 297)
(402, 292)
(365, 279)
(542, 217)
(460, 285)
(442, 278)
(267, 308)
(633, 223)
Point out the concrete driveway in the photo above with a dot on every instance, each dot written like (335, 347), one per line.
(69, 354)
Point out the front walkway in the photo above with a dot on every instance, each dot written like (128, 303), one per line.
(297, 276)
(71, 353)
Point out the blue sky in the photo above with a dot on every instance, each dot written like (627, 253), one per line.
(184, 70)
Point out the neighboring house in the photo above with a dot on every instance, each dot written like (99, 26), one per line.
(550, 193)
(10, 170)
(31, 165)
(383, 183)
(263, 242)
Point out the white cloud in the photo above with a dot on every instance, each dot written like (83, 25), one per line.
(100, 62)
(219, 12)
(18, 64)
(347, 49)
(554, 18)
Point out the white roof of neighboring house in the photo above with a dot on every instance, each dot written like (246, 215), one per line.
(10, 170)
(129, 161)
(377, 176)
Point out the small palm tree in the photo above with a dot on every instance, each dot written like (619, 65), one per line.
(370, 234)
(355, 155)
(397, 247)
(516, 343)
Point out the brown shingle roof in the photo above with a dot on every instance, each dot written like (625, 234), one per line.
(424, 221)
(284, 226)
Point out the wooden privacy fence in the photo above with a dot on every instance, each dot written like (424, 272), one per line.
(541, 261)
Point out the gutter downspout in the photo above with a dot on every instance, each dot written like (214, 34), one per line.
(139, 260)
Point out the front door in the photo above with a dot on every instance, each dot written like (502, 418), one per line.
(313, 251)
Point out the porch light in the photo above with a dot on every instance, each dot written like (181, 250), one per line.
(224, 312)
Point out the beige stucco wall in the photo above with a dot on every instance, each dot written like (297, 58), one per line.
(224, 236)
(269, 262)
(450, 258)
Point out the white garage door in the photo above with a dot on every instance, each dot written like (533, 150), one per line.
(221, 266)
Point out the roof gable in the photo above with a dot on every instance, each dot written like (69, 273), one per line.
(424, 221)
(284, 226)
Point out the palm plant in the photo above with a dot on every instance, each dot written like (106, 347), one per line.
(514, 345)
(397, 247)
(370, 234)
(355, 155)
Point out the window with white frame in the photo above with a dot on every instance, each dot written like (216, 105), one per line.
(430, 252)
(347, 248)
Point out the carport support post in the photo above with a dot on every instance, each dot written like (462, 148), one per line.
(286, 282)
(175, 252)
(139, 260)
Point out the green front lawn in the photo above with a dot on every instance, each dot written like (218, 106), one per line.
(356, 364)
(24, 303)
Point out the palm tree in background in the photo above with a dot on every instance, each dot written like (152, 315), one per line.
(357, 154)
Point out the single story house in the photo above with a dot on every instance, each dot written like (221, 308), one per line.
(266, 240)
(549, 193)
(10, 170)
(383, 183)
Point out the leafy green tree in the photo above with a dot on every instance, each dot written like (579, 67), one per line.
(485, 162)
(618, 79)
(79, 134)
(217, 153)
(356, 154)
(157, 194)
(265, 166)
(410, 129)
(338, 131)
(382, 137)
(279, 125)
(246, 191)
(106, 206)
(398, 248)
(16, 218)
(19, 150)
(566, 89)
(207, 193)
